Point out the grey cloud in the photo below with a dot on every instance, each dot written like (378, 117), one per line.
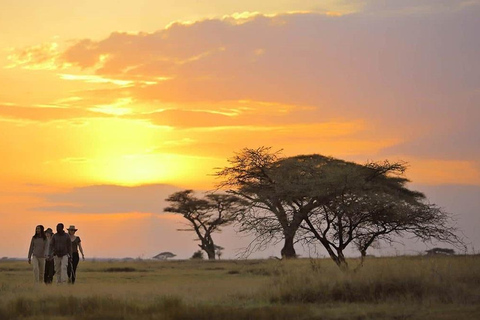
(358, 63)
(415, 6)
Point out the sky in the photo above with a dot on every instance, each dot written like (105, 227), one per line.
(107, 107)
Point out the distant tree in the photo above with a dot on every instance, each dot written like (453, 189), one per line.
(440, 251)
(380, 208)
(205, 216)
(164, 256)
(219, 251)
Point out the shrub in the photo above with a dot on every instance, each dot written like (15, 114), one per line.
(126, 269)
(197, 255)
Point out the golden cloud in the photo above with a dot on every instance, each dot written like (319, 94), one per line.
(45, 56)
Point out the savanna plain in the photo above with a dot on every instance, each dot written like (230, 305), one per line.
(417, 287)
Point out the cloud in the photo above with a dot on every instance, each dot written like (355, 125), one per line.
(73, 108)
(226, 114)
(340, 139)
(413, 80)
(355, 64)
(44, 113)
(415, 7)
(110, 199)
(39, 57)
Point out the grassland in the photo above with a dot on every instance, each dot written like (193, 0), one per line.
(385, 288)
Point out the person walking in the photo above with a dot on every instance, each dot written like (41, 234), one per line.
(61, 250)
(49, 265)
(76, 246)
(38, 249)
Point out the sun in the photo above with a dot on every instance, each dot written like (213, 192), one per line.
(138, 169)
(134, 170)
(174, 169)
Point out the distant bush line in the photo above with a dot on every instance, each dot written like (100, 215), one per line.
(126, 269)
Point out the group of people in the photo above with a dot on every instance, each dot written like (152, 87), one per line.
(55, 254)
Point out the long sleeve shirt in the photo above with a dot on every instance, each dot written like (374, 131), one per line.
(38, 248)
(60, 245)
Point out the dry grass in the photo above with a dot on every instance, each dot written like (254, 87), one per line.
(406, 279)
(386, 288)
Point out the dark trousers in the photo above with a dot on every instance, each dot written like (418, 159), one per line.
(49, 271)
(73, 264)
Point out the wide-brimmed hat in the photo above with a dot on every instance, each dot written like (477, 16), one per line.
(72, 227)
(49, 230)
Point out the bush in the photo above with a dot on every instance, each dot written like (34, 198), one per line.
(197, 255)
(126, 269)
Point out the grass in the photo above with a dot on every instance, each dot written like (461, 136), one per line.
(386, 288)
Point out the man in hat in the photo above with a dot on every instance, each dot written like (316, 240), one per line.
(61, 250)
(49, 265)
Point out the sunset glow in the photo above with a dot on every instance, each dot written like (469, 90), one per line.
(144, 93)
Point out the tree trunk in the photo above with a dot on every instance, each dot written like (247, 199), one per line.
(210, 253)
(209, 248)
(288, 251)
(341, 262)
(363, 253)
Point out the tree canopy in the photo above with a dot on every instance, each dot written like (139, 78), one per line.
(280, 192)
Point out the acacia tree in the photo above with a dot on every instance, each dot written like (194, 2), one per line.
(382, 208)
(280, 192)
(205, 216)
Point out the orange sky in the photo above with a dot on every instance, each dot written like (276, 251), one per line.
(135, 95)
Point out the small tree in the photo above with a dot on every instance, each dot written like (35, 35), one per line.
(219, 251)
(164, 256)
(205, 216)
